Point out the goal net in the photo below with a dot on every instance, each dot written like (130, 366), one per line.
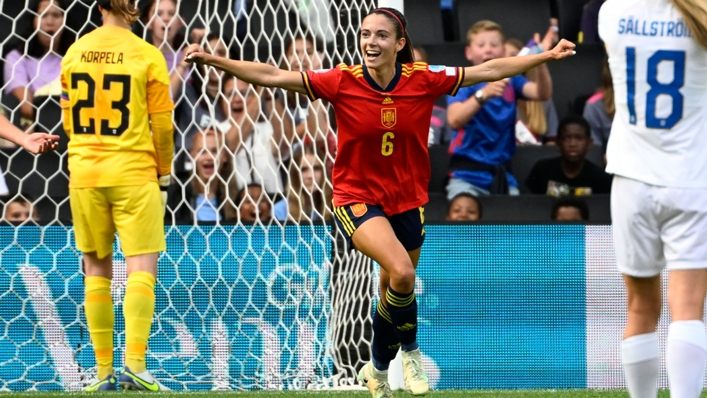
(255, 290)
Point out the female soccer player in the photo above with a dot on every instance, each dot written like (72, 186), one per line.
(658, 58)
(115, 90)
(382, 168)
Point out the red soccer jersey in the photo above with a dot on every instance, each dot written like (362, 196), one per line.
(382, 156)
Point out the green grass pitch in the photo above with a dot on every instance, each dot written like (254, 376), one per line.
(355, 394)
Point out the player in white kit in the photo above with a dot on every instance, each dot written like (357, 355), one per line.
(657, 152)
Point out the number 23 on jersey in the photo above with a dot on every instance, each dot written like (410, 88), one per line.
(118, 113)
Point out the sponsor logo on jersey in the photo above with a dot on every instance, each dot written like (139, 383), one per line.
(359, 209)
(388, 117)
(450, 71)
(436, 68)
(387, 101)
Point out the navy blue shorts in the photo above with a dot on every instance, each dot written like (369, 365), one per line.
(409, 226)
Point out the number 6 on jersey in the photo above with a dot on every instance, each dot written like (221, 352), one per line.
(387, 145)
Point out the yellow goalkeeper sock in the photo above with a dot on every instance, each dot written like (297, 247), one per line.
(138, 309)
(100, 318)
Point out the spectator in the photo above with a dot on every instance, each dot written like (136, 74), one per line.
(20, 209)
(570, 173)
(204, 104)
(484, 116)
(204, 194)
(303, 121)
(570, 209)
(464, 207)
(309, 192)
(34, 63)
(252, 138)
(534, 117)
(165, 30)
(253, 204)
(440, 132)
(589, 28)
(599, 110)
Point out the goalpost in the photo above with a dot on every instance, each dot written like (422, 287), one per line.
(263, 305)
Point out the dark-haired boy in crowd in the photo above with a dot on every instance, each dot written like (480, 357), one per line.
(570, 173)
(570, 209)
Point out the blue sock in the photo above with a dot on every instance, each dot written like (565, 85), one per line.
(403, 313)
(385, 341)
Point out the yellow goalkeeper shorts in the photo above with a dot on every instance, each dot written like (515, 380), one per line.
(134, 211)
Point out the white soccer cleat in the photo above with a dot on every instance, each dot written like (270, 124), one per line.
(416, 380)
(140, 381)
(376, 382)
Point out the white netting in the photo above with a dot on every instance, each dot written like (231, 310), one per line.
(264, 299)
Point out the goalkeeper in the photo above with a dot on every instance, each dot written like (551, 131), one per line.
(115, 89)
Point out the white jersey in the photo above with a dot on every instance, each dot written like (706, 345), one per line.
(659, 133)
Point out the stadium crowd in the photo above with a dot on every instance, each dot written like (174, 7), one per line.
(250, 154)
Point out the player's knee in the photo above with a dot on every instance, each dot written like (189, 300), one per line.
(403, 277)
(646, 306)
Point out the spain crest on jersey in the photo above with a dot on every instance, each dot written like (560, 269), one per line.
(388, 117)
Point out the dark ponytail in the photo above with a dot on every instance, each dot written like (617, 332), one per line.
(406, 55)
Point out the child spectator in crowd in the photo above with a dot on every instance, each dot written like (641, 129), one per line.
(534, 117)
(599, 109)
(484, 116)
(464, 207)
(440, 132)
(34, 63)
(204, 194)
(570, 209)
(303, 121)
(253, 204)
(570, 173)
(252, 138)
(165, 30)
(20, 209)
(203, 103)
(309, 192)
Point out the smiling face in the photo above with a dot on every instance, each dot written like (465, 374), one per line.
(379, 45)
(49, 22)
(463, 208)
(165, 22)
(485, 46)
(208, 156)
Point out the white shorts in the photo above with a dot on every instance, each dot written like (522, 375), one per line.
(655, 227)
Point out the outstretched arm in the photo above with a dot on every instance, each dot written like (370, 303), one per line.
(252, 72)
(502, 68)
(34, 143)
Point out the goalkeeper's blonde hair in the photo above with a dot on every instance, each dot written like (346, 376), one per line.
(125, 9)
(694, 12)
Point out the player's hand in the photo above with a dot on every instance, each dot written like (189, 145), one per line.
(494, 89)
(195, 54)
(164, 182)
(37, 143)
(563, 49)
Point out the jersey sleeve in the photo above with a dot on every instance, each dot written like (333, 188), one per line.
(444, 79)
(159, 98)
(322, 83)
(518, 82)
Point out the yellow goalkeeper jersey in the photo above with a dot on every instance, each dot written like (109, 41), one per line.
(112, 81)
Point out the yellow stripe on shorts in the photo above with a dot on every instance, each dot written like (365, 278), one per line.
(345, 220)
